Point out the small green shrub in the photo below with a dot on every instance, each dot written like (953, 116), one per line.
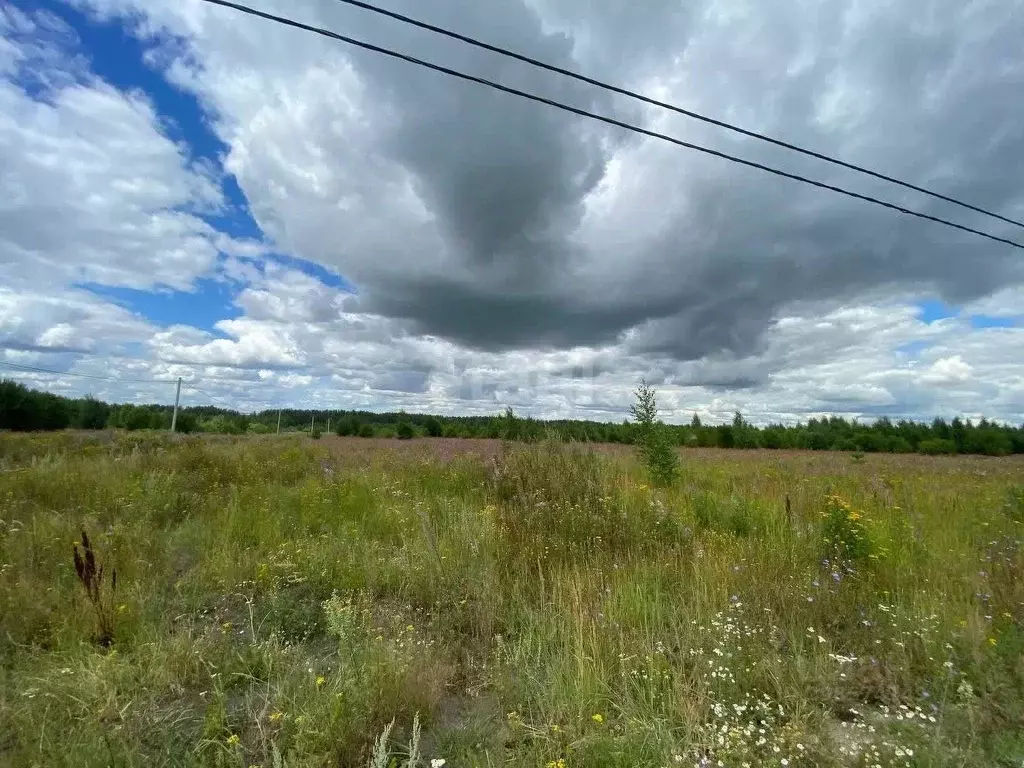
(405, 431)
(365, 430)
(347, 426)
(937, 447)
(705, 510)
(737, 516)
(740, 521)
(223, 425)
(897, 444)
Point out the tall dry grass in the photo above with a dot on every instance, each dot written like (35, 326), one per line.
(280, 603)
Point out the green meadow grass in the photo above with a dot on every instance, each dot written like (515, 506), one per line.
(281, 601)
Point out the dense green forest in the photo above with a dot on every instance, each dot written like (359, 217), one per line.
(24, 409)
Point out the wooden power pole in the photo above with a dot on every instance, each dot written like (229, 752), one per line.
(177, 399)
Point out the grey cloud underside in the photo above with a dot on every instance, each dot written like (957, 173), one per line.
(934, 101)
(499, 321)
(505, 179)
(414, 382)
(531, 240)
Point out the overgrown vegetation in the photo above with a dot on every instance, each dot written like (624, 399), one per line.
(283, 602)
(22, 409)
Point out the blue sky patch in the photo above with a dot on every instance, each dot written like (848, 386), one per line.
(315, 270)
(987, 321)
(118, 57)
(931, 310)
(212, 300)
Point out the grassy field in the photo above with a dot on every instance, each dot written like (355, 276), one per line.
(279, 602)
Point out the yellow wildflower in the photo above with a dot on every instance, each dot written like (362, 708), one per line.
(559, 763)
(597, 717)
(275, 716)
(992, 641)
(233, 739)
(320, 680)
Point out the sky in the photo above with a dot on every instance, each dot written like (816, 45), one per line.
(282, 220)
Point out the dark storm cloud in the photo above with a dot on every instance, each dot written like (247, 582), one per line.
(504, 177)
(414, 382)
(485, 318)
(720, 384)
(507, 179)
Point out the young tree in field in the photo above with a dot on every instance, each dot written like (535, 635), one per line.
(510, 426)
(347, 426)
(651, 438)
(92, 414)
(433, 426)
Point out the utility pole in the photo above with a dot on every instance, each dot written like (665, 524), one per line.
(312, 421)
(328, 425)
(279, 421)
(177, 398)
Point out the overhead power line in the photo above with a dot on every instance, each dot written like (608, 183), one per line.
(671, 107)
(187, 385)
(207, 394)
(604, 119)
(34, 369)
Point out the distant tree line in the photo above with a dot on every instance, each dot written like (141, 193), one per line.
(24, 409)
